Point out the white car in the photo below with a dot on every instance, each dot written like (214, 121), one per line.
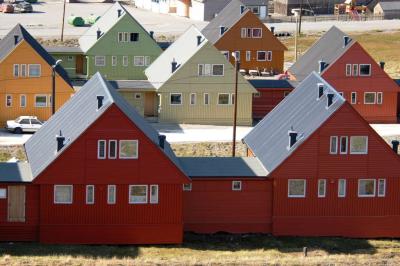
(24, 124)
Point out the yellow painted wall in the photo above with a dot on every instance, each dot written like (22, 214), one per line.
(130, 97)
(29, 86)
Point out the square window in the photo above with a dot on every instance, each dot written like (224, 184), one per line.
(8, 100)
(261, 56)
(206, 98)
(379, 97)
(296, 188)
(358, 145)
(89, 194)
(128, 149)
(187, 187)
(223, 98)
(134, 37)
(34, 70)
(138, 60)
(3, 193)
(137, 194)
(217, 70)
(63, 194)
(343, 145)
(353, 97)
(381, 187)
(101, 149)
(365, 70)
(99, 60)
(125, 61)
(153, 194)
(256, 33)
(342, 188)
(236, 185)
(111, 194)
(255, 9)
(369, 97)
(366, 188)
(176, 98)
(334, 144)
(192, 98)
(321, 188)
(41, 101)
(138, 96)
(70, 58)
(112, 149)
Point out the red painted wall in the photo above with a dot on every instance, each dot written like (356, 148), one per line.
(267, 100)
(213, 207)
(21, 231)
(333, 216)
(379, 81)
(121, 223)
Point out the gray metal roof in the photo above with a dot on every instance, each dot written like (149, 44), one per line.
(386, 6)
(300, 111)
(328, 48)
(132, 85)
(223, 167)
(63, 49)
(75, 116)
(15, 172)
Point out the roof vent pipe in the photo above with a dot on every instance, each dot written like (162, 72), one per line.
(98, 33)
(272, 30)
(395, 146)
(322, 66)
(174, 66)
(382, 64)
(330, 99)
(346, 40)
(161, 141)
(292, 137)
(100, 99)
(16, 39)
(60, 141)
(119, 12)
(152, 34)
(242, 8)
(198, 40)
(221, 30)
(320, 90)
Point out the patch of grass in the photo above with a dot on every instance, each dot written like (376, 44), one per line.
(7, 152)
(208, 149)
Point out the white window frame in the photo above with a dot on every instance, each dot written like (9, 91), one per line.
(192, 100)
(330, 145)
(120, 37)
(9, 96)
(236, 182)
(355, 73)
(137, 58)
(187, 187)
(265, 54)
(16, 70)
(248, 56)
(154, 199)
(358, 188)
(269, 56)
(114, 60)
(355, 97)
(23, 70)
(369, 92)
(237, 55)
(20, 100)
(206, 96)
(243, 33)
(232, 99)
(147, 194)
(322, 195)
(98, 149)
(352, 152)
(99, 57)
(344, 188)
(224, 104)
(3, 193)
(41, 95)
(364, 75)
(340, 144)
(29, 70)
(252, 33)
(381, 193)
(108, 194)
(135, 156)
(212, 70)
(87, 195)
(379, 97)
(70, 58)
(304, 185)
(147, 60)
(125, 61)
(54, 194)
(175, 93)
(348, 70)
(115, 149)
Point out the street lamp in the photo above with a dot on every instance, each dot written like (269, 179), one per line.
(237, 67)
(296, 12)
(53, 79)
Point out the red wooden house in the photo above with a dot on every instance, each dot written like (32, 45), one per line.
(348, 67)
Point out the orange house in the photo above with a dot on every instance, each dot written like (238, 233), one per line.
(237, 29)
(26, 78)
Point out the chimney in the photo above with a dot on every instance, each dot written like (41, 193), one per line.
(322, 66)
(382, 64)
(152, 34)
(119, 12)
(272, 30)
(221, 30)
(16, 39)
(330, 99)
(60, 141)
(174, 65)
(395, 145)
(242, 8)
(292, 137)
(161, 141)
(346, 40)
(320, 90)
(100, 99)
(198, 40)
(98, 34)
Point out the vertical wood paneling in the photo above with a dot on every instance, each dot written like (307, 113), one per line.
(267, 100)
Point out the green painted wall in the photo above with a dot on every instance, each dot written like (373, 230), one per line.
(68, 63)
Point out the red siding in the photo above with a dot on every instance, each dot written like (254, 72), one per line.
(331, 216)
(267, 100)
(212, 206)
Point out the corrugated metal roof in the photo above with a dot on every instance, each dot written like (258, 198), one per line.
(270, 83)
(132, 84)
(7, 45)
(299, 111)
(328, 48)
(389, 6)
(15, 172)
(223, 167)
(63, 49)
(75, 116)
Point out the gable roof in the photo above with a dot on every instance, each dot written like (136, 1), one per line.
(300, 111)
(7, 45)
(389, 6)
(328, 48)
(181, 51)
(82, 107)
(15, 172)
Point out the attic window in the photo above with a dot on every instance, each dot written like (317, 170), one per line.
(134, 37)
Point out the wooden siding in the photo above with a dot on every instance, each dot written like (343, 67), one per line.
(129, 96)
(267, 100)
(213, 207)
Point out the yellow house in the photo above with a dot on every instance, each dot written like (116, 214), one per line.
(26, 78)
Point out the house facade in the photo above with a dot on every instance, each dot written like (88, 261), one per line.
(26, 78)
(237, 30)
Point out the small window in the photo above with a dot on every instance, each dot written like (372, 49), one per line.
(147, 60)
(16, 70)
(257, 95)
(256, 33)
(200, 70)
(343, 145)
(365, 70)
(120, 36)
(381, 187)
(334, 145)
(321, 188)
(101, 149)
(22, 100)
(369, 98)
(134, 37)
(192, 98)
(261, 56)
(355, 70)
(232, 98)
(237, 55)
(89, 194)
(353, 97)
(255, 9)
(113, 60)
(153, 194)
(3, 193)
(236, 185)
(379, 97)
(358, 145)
(111, 194)
(137, 194)
(41, 101)
(296, 188)
(138, 60)
(286, 93)
(341, 93)
(70, 58)
(126, 34)
(34, 70)
(218, 70)
(128, 149)
(342, 188)
(248, 55)
(269, 56)
(226, 54)
(366, 188)
(243, 33)
(138, 96)
(99, 60)
(176, 98)
(112, 149)
(8, 100)
(187, 187)
(348, 70)
(223, 98)
(63, 194)
(206, 98)
(23, 70)
(125, 61)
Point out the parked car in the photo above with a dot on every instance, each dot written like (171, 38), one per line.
(6, 8)
(24, 124)
(23, 7)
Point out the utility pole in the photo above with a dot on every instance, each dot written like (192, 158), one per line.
(296, 15)
(53, 83)
(63, 19)
(301, 14)
(237, 67)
